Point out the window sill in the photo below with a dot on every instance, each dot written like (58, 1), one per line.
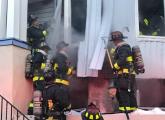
(143, 38)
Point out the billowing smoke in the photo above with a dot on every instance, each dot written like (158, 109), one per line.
(56, 27)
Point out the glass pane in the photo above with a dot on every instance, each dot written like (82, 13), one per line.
(151, 17)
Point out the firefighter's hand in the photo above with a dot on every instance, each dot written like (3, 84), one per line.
(112, 92)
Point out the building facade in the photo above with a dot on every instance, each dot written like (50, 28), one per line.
(88, 48)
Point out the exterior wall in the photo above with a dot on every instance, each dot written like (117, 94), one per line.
(22, 89)
(14, 87)
(154, 58)
(79, 93)
(151, 92)
(6, 76)
(98, 89)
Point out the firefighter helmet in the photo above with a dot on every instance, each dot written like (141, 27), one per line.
(44, 45)
(92, 113)
(31, 19)
(61, 45)
(117, 35)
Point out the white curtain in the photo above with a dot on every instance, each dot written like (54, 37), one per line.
(116, 15)
(124, 19)
(87, 47)
(99, 54)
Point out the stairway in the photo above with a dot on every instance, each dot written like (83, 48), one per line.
(9, 112)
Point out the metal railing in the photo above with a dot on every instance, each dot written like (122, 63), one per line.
(9, 111)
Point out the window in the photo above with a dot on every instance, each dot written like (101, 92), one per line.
(151, 17)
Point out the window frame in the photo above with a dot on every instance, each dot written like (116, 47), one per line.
(145, 37)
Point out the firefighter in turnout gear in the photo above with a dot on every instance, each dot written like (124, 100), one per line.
(38, 66)
(35, 33)
(123, 83)
(153, 26)
(39, 63)
(57, 90)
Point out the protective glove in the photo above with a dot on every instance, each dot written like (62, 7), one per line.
(45, 33)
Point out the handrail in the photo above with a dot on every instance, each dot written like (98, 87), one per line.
(8, 111)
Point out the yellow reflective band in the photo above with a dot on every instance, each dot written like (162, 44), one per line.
(127, 108)
(35, 78)
(116, 66)
(50, 118)
(55, 66)
(43, 65)
(133, 108)
(60, 81)
(97, 117)
(69, 71)
(123, 108)
(129, 59)
(86, 114)
(45, 33)
(120, 72)
(31, 105)
(146, 22)
(112, 51)
(91, 117)
(125, 71)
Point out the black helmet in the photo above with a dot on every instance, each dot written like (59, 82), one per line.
(61, 45)
(92, 113)
(117, 35)
(31, 19)
(44, 45)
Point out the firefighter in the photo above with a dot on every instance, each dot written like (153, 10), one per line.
(36, 35)
(123, 83)
(37, 70)
(153, 26)
(57, 91)
(92, 113)
(39, 63)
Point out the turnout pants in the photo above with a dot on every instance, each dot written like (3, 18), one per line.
(126, 93)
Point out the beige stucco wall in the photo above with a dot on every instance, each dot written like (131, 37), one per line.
(13, 85)
(6, 74)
